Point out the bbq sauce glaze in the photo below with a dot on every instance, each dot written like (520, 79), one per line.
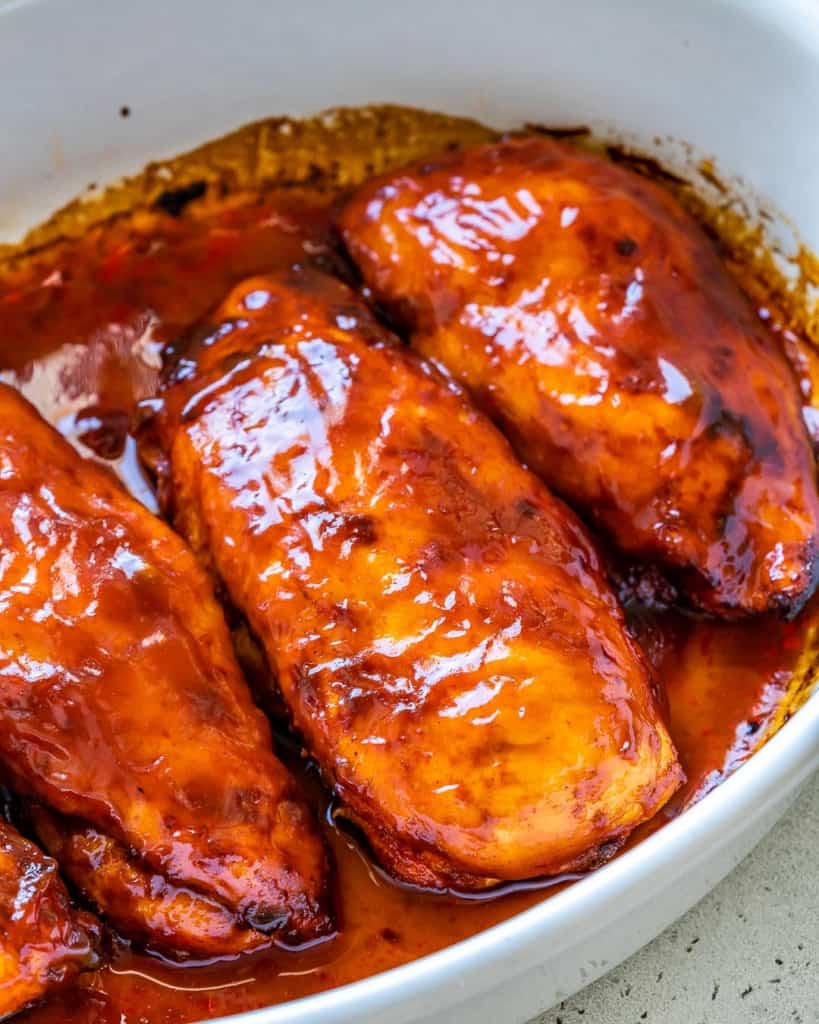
(82, 327)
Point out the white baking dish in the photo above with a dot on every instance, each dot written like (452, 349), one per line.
(738, 81)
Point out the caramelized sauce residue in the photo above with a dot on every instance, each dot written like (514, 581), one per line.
(82, 325)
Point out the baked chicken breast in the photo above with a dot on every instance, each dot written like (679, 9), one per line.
(438, 623)
(591, 318)
(125, 720)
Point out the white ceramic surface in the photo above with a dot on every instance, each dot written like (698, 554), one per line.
(740, 81)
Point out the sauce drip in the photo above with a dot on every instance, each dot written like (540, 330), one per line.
(82, 326)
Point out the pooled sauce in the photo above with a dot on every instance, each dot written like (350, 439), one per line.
(82, 325)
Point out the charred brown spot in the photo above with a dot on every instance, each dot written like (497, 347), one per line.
(722, 361)
(588, 234)
(568, 132)
(727, 424)
(644, 165)
(360, 530)
(526, 509)
(625, 246)
(315, 175)
(174, 200)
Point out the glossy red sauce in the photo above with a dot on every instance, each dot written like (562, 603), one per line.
(81, 330)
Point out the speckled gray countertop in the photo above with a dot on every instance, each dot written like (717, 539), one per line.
(749, 952)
